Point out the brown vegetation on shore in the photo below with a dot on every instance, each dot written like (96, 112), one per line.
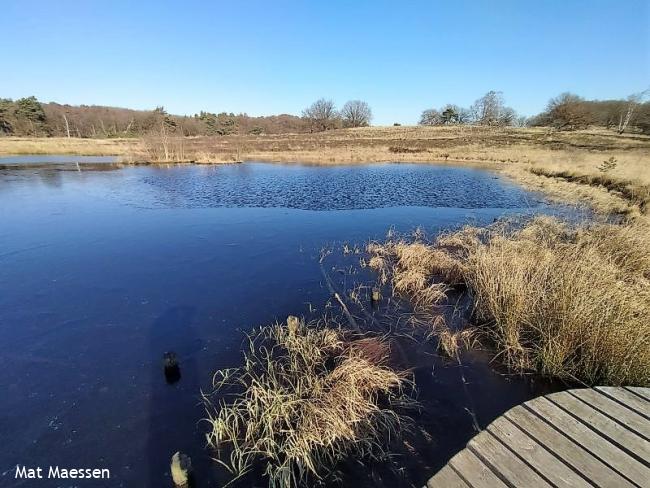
(635, 193)
(10, 146)
(307, 397)
(565, 165)
(568, 301)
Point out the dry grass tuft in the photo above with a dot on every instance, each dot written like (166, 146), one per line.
(568, 302)
(450, 342)
(425, 274)
(410, 268)
(304, 400)
(627, 245)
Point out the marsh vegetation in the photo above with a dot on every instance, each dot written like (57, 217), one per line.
(568, 301)
(307, 397)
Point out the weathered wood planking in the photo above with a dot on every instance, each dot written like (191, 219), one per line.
(578, 438)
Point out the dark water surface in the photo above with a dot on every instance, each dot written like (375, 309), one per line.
(101, 272)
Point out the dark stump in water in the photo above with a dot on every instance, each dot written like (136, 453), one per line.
(172, 369)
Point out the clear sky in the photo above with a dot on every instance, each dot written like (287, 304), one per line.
(278, 56)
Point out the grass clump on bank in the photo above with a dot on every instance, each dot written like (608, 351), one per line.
(635, 193)
(571, 302)
(306, 398)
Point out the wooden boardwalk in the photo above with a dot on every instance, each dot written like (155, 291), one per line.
(586, 437)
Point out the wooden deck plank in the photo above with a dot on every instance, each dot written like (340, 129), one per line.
(477, 474)
(592, 442)
(447, 477)
(536, 455)
(625, 438)
(572, 453)
(639, 405)
(620, 413)
(642, 392)
(513, 469)
(578, 438)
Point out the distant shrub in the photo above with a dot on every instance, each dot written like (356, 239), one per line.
(406, 150)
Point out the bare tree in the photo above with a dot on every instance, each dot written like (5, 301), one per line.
(67, 126)
(485, 110)
(321, 114)
(430, 117)
(633, 103)
(642, 119)
(567, 112)
(356, 113)
(507, 117)
(521, 121)
(490, 109)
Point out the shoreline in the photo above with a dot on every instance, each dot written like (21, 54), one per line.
(565, 166)
(556, 189)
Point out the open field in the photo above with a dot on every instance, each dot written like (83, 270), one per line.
(554, 157)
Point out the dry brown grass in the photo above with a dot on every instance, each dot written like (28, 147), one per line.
(413, 268)
(306, 398)
(407, 266)
(452, 342)
(164, 148)
(64, 145)
(151, 149)
(634, 193)
(568, 302)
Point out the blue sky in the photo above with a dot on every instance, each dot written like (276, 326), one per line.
(278, 56)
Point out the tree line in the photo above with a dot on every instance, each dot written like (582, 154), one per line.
(568, 111)
(565, 112)
(490, 110)
(29, 117)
